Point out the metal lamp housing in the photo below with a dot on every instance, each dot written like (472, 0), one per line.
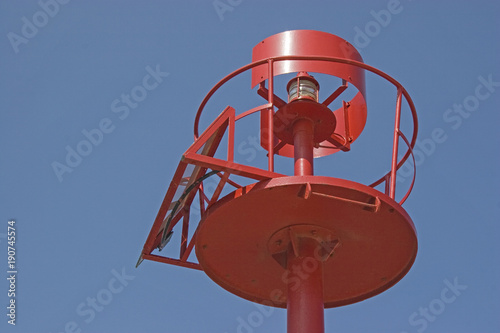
(303, 86)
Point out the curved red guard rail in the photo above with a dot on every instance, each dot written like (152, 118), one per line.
(270, 61)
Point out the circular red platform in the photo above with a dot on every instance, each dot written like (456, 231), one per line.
(375, 239)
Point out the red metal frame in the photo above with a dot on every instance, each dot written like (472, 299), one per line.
(305, 305)
(270, 106)
(377, 239)
(215, 132)
(228, 119)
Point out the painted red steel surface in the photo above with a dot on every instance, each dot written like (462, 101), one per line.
(369, 239)
(305, 309)
(269, 105)
(307, 43)
(305, 299)
(224, 122)
(314, 43)
(377, 238)
(303, 135)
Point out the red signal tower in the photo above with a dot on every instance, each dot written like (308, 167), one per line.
(301, 242)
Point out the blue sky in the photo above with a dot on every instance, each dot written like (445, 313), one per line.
(64, 67)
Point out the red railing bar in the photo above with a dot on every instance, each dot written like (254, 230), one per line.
(327, 59)
(270, 121)
(253, 110)
(160, 217)
(234, 168)
(219, 188)
(185, 230)
(171, 261)
(395, 146)
(414, 168)
(263, 92)
(387, 177)
(230, 138)
(201, 196)
(186, 254)
(335, 94)
(230, 182)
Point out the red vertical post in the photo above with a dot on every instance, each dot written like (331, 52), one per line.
(270, 99)
(395, 145)
(185, 230)
(305, 305)
(303, 145)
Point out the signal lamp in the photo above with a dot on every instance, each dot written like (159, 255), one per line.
(304, 86)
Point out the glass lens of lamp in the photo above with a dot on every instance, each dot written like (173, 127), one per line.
(307, 89)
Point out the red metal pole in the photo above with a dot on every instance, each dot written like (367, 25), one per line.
(303, 132)
(270, 134)
(305, 306)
